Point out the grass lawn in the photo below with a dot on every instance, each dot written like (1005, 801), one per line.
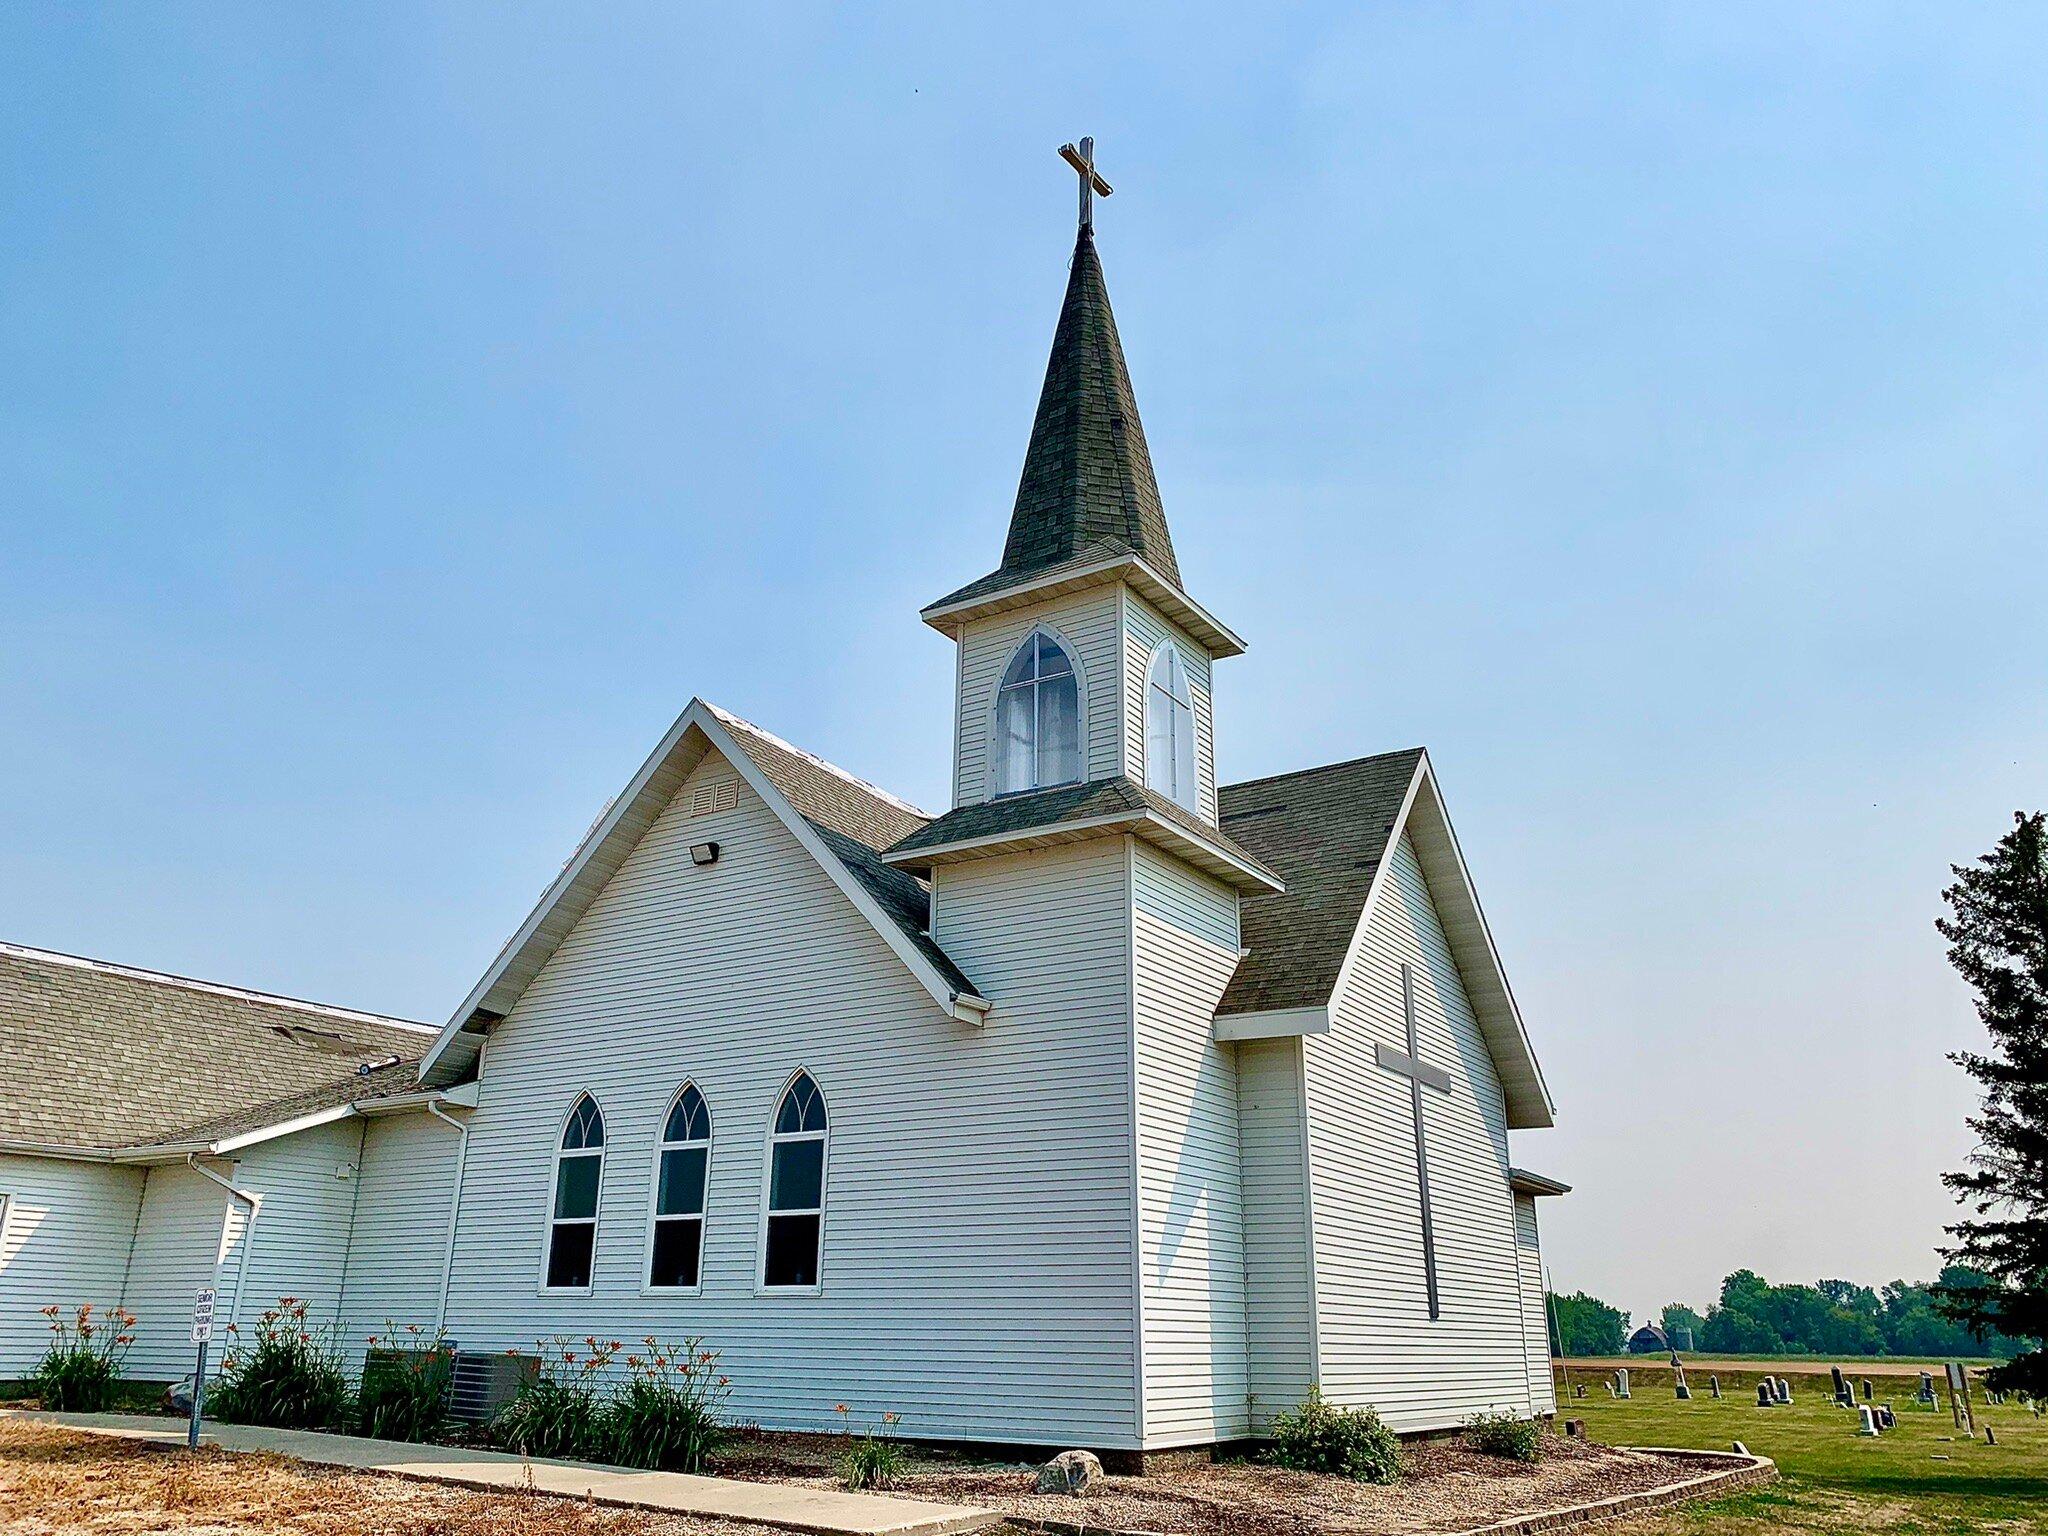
(1834, 1480)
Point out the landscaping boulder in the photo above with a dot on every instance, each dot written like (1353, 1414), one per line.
(1069, 1472)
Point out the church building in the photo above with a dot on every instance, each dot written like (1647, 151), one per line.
(1113, 1106)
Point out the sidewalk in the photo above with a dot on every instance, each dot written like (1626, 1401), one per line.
(817, 1511)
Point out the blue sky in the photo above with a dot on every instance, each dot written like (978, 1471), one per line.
(410, 408)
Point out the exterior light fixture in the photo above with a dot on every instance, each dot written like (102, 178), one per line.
(702, 854)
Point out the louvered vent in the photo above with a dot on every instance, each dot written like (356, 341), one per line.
(716, 795)
(484, 1383)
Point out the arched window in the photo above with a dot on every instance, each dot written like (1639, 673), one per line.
(1170, 728)
(796, 1188)
(682, 1163)
(1038, 719)
(579, 1169)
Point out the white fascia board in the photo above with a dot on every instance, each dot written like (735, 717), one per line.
(57, 1151)
(1221, 640)
(1273, 1024)
(965, 1006)
(1463, 890)
(703, 718)
(938, 853)
(1222, 855)
(290, 1127)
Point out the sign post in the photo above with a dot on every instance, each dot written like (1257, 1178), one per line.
(202, 1335)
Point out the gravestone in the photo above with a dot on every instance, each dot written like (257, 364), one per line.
(1886, 1419)
(1869, 1420)
(1621, 1383)
(1926, 1387)
(1843, 1397)
(1714, 1386)
(1866, 1389)
(1765, 1397)
(1784, 1390)
(1684, 1392)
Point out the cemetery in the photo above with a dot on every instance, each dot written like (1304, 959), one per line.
(1904, 1457)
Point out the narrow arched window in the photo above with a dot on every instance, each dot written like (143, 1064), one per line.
(1170, 728)
(1038, 718)
(682, 1163)
(796, 1187)
(579, 1173)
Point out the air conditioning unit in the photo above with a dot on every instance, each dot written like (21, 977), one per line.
(485, 1382)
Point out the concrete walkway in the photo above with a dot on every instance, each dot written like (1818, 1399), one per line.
(820, 1511)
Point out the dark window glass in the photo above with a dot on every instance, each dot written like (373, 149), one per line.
(585, 1130)
(799, 1179)
(792, 1251)
(569, 1248)
(803, 1108)
(576, 1187)
(689, 1119)
(682, 1182)
(676, 1248)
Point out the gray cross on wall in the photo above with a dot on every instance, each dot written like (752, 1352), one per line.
(1420, 1074)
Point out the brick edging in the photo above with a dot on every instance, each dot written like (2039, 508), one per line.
(1743, 1472)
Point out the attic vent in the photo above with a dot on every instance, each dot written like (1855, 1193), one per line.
(715, 795)
(317, 1039)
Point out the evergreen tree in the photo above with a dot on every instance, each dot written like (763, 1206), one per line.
(1998, 943)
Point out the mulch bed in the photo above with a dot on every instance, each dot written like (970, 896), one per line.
(1447, 1487)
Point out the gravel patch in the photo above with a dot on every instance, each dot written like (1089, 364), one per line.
(1447, 1487)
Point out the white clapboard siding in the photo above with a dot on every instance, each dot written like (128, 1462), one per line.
(1145, 629)
(65, 1232)
(1378, 1344)
(978, 1250)
(299, 1249)
(178, 1249)
(1535, 1314)
(401, 1226)
(1279, 1307)
(1086, 623)
(1190, 1207)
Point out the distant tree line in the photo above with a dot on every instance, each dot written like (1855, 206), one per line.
(1754, 1317)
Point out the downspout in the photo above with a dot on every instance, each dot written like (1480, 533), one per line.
(255, 1204)
(454, 1212)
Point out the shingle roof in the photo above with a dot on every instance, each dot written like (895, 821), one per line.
(358, 1087)
(1324, 830)
(1087, 483)
(856, 820)
(1048, 808)
(102, 1056)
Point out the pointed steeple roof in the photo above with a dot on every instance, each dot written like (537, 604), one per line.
(1087, 486)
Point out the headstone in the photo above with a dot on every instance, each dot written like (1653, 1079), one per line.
(1765, 1397)
(1926, 1387)
(1575, 1429)
(1069, 1472)
(1684, 1392)
(1866, 1389)
(1886, 1419)
(1869, 1420)
(1989, 1437)
(1784, 1390)
(1714, 1386)
(1841, 1386)
(1621, 1382)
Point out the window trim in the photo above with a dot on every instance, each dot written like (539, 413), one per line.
(761, 1285)
(596, 1218)
(661, 1145)
(992, 725)
(1160, 653)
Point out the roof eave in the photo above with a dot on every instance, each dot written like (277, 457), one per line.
(1523, 1182)
(1217, 638)
(1209, 857)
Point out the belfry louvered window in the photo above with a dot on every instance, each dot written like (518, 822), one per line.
(1170, 728)
(1038, 718)
(579, 1176)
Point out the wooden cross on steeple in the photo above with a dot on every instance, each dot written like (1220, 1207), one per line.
(1083, 162)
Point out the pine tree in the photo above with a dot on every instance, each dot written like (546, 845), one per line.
(1998, 943)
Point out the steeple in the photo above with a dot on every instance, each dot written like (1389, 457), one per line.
(1087, 486)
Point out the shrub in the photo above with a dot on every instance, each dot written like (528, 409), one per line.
(404, 1395)
(290, 1378)
(82, 1367)
(666, 1415)
(1343, 1442)
(1502, 1434)
(561, 1410)
(872, 1460)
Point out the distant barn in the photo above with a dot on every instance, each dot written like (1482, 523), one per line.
(1648, 1340)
